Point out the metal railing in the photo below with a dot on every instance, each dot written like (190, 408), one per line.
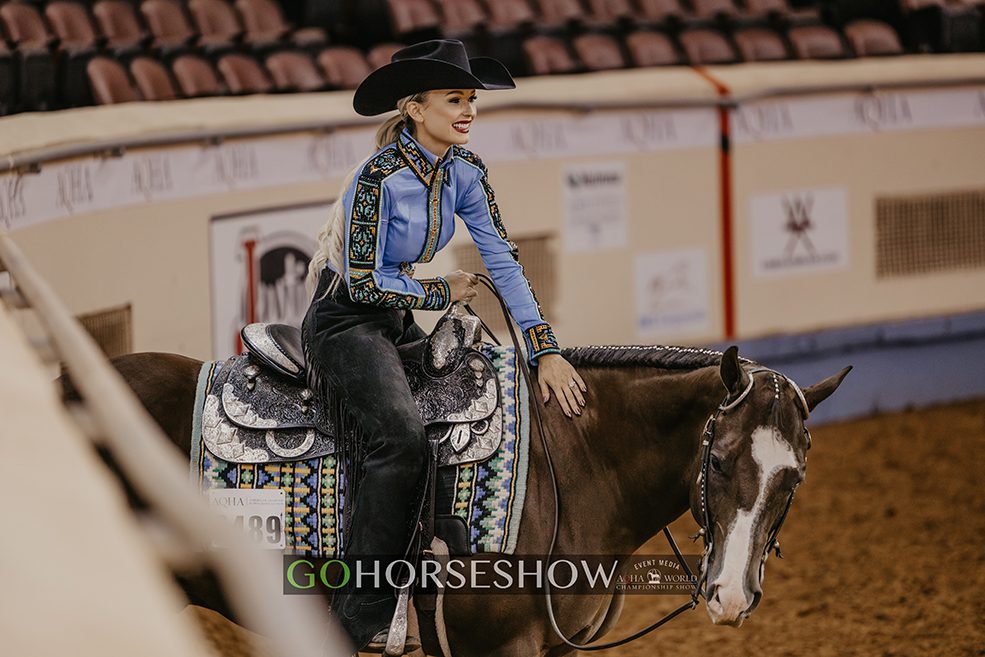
(33, 160)
(251, 578)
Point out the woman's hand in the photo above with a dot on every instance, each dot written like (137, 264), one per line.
(555, 373)
(462, 285)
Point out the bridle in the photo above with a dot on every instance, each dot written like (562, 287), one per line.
(708, 437)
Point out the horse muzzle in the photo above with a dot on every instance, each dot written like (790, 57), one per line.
(730, 605)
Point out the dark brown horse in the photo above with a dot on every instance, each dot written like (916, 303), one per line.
(625, 469)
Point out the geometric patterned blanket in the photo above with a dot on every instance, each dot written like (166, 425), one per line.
(487, 494)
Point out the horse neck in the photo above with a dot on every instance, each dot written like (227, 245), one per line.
(626, 467)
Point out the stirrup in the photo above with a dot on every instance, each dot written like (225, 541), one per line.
(377, 645)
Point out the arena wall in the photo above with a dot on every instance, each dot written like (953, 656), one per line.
(789, 184)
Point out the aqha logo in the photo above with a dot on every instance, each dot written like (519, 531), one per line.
(275, 267)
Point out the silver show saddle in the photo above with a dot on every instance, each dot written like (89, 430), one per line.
(260, 410)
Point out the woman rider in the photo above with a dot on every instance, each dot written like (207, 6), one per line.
(397, 209)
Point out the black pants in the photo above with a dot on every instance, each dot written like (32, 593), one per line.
(352, 348)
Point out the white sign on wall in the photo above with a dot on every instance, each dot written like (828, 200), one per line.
(259, 265)
(672, 293)
(595, 206)
(799, 231)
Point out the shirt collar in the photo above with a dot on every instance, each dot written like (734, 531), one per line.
(421, 158)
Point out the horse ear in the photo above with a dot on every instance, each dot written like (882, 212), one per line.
(820, 391)
(733, 376)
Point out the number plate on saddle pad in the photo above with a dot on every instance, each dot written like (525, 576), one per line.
(258, 513)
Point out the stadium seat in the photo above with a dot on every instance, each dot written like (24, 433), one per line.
(264, 22)
(871, 38)
(661, 11)
(380, 54)
(717, 10)
(556, 14)
(759, 44)
(172, 31)
(648, 48)
(344, 67)
(109, 81)
(611, 11)
(547, 55)
(243, 75)
(118, 23)
(816, 42)
(152, 78)
(413, 20)
(25, 27)
(294, 71)
(72, 26)
(598, 52)
(36, 70)
(509, 14)
(704, 46)
(463, 20)
(461, 16)
(195, 76)
(216, 18)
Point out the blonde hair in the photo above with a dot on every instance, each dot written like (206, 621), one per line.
(331, 238)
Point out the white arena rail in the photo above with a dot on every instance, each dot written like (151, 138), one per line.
(252, 579)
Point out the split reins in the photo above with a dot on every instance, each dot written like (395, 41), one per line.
(708, 436)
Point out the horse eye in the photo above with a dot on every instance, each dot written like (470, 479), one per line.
(716, 464)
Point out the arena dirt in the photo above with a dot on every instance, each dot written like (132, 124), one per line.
(884, 553)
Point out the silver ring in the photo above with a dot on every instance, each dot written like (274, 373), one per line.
(571, 383)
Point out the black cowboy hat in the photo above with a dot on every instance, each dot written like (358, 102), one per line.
(436, 64)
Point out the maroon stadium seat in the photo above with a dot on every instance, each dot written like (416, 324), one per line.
(598, 52)
(380, 54)
(409, 16)
(171, 29)
(871, 38)
(118, 23)
(25, 27)
(707, 47)
(344, 67)
(758, 44)
(153, 80)
(546, 55)
(509, 14)
(711, 9)
(195, 76)
(816, 42)
(216, 18)
(264, 21)
(71, 24)
(243, 75)
(294, 71)
(610, 11)
(461, 16)
(651, 49)
(109, 81)
(659, 11)
(556, 13)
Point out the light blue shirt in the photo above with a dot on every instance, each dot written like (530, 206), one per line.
(401, 210)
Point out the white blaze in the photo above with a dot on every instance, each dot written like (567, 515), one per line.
(771, 454)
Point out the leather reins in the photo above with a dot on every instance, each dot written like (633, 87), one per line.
(707, 438)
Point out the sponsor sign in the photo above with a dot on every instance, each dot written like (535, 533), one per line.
(595, 206)
(672, 293)
(799, 231)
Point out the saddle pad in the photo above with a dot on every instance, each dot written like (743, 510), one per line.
(488, 495)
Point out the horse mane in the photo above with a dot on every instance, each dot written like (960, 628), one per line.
(666, 357)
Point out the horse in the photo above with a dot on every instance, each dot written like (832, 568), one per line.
(666, 430)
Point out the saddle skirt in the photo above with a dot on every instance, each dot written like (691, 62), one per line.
(259, 410)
